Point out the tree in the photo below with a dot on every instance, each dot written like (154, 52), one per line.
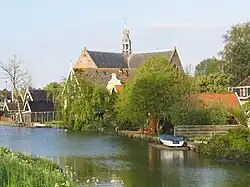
(86, 104)
(154, 89)
(236, 52)
(213, 83)
(18, 77)
(209, 66)
(54, 91)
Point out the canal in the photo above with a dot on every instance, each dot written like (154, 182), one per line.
(136, 163)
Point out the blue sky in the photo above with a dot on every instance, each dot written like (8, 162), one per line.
(48, 34)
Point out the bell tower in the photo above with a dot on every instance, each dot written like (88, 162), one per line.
(126, 42)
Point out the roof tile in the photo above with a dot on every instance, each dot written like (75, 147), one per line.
(228, 99)
(119, 88)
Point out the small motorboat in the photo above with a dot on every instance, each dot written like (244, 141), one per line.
(172, 141)
(39, 125)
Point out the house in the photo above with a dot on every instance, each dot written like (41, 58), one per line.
(11, 104)
(113, 82)
(102, 67)
(242, 90)
(38, 107)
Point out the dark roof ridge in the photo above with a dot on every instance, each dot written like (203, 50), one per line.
(104, 52)
(154, 51)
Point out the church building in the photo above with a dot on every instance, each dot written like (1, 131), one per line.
(110, 68)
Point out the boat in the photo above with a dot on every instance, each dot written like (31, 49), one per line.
(39, 125)
(172, 141)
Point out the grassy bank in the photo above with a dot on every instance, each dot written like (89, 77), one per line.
(18, 170)
(234, 146)
(154, 138)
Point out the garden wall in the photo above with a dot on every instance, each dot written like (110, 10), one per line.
(202, 130)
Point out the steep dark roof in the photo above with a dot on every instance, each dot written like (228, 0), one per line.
(108, 60)
(138, 59)
(41, 106)
(38, 95)
(12, 106)
(245, 82)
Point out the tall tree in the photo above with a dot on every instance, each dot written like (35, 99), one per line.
(236, 52)
(209, 66)
(213, 83)
(54, 90)
(154, 89)
(18, 77)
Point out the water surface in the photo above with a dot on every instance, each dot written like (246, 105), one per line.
(136, 163)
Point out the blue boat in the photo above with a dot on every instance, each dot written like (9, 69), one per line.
(172, 141)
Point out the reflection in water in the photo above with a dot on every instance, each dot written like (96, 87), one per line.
(111, 158)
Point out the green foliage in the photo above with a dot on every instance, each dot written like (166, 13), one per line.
(240, 115)
(235, 145)
(154, 89)
(4, 93)
(213, 83)
(192, 112)
(18, 170)
(86, 105)
(246, 106)
(209, 66)
(236, 52)
(54, 91)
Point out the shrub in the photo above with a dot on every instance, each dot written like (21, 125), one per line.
(235, 145)
(193, 113)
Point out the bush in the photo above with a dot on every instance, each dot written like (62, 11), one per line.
(192, 113)
(235, 145)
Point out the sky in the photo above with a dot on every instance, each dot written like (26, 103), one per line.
(48, 36)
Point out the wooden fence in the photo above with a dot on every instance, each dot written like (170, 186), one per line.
(202, 130)
(41, 116)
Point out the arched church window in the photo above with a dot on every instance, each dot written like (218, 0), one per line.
(126, 46)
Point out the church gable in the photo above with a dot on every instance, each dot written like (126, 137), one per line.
(85, 61)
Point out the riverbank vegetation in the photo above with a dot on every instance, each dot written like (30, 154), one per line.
(18, 170)
(235, 145)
